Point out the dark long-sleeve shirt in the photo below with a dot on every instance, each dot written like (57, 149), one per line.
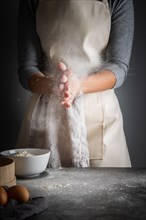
(118, 50)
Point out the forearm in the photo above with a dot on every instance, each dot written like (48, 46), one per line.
(98, 82)
(72, 86)
(39, 83)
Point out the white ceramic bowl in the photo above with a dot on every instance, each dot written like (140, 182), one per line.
(29, 165)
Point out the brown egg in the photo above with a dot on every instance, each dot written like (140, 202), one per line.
(3, 196)
(19, 193)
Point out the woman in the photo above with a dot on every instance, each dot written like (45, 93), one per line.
(71, 56)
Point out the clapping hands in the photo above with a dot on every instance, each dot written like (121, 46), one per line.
(70, 85)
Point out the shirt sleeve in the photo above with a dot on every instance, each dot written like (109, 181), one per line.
(121, 38)
(29, 46)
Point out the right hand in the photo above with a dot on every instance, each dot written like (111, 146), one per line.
(39, 83)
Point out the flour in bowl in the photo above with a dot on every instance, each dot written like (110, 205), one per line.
(23, 153)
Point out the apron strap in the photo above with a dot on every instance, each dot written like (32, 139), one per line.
(105, 1)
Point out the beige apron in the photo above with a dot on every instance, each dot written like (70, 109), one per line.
(90, 133)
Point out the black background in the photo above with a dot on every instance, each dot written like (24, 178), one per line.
(132, 95)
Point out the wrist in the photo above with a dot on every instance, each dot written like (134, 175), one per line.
(39, 83)
(84, 85)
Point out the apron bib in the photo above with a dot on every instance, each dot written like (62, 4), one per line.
(76, 33)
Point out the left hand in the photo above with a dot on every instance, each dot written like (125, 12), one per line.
(70, 85)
